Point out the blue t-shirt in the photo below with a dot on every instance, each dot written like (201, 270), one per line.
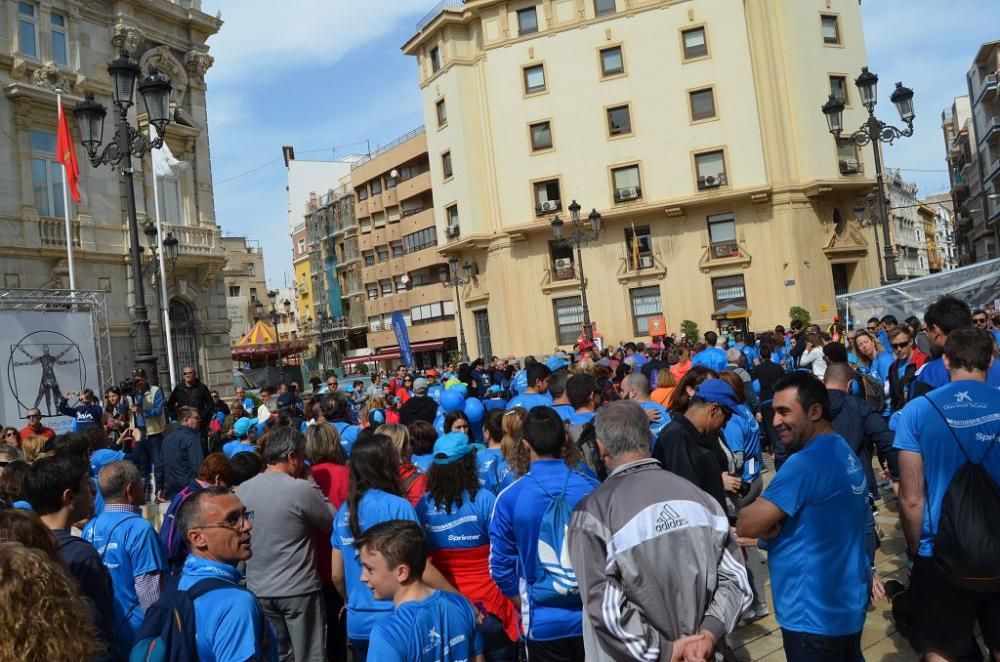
(742, 435)
(973, 411)
(711, 357)
(465, 526)
(934, 374)
(486, 464)
(529, 400)
(580, 418)
(657, 426)
(128, 547)
(494, 403)
(363, 610)
(423, 462)
(500, 477)
(348, 435)
(237, 446)
(819, 565)
(440, 627)
(564, 411)
(229, 623)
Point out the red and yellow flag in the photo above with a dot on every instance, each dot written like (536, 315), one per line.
(635, 248)
(66, 155)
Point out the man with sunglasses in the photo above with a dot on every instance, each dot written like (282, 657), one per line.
(229, 620)
(981, 320)
(191, 392)
(689, 445)
(945, 315)
(35, 426)
(903, 371)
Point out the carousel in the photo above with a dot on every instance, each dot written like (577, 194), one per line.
(265, 357)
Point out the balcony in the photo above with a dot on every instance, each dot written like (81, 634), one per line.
(194, 240)
(414, 186)
(439, 8)
(628, 194)
(724, 254)
(991, 131)
(851, 167)
(988, 88)
(52, 232)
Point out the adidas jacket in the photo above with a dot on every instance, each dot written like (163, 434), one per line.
(655, 561)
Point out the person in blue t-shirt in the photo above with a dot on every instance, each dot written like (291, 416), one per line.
(229, 621)
(711, 357)
(557, 390)
(425, 624)
(374, 497)
(537, 392)
(635, 387)
(944, 316)
(241, 444)
(129, 548)
(815, 521)
(936, 435)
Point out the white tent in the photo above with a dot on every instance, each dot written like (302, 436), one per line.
(978, 285)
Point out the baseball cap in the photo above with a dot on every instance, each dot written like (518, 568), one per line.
(431, 372)
(102, 457)
(376, 417)
(420, 385)
(286, 401)
(452, 447)
(242, 427)
(556, 362)
(717, 392)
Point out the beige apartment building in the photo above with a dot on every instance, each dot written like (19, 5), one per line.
(692, 126)
(398, 241)
(245, 283)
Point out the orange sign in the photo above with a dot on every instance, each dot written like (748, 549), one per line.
(657, 326)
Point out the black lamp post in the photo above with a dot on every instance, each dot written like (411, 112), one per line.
(457, 281)
(578, 236)
(128, 142)
(149, 229)
(868, 222)
(874, 132)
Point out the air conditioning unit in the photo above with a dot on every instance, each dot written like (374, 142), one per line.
(549, 205)
(710, 181)
(645, 261)
(849, 166)
(453, 231)
(628, 193)
(725, 250)
(563, 264)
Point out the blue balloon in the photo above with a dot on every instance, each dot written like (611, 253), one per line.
(435, 392)
(452, 400)
(439, 422)
(474, 410)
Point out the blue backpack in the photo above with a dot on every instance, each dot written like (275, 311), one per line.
(170, 535)
(167, 633)
(555, 580)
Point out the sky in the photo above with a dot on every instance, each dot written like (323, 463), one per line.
(330, 75)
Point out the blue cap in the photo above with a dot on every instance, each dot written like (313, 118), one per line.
(496, 388)
(376, 417)
(717, 392)
(242, 427)
(452, 447)
(556, 362)
(102, 457)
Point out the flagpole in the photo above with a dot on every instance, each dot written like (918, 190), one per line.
(163, 273)
(65, 195)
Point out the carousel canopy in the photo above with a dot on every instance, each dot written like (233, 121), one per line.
(261, 342)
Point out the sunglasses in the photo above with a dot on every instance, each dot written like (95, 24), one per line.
(900, 345)
(978, 320)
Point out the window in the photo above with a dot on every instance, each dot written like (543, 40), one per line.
(430, 312)
(375, 323)
(527, 21)
(234, 290)
(170, 201)
(397, 248)
(562, 261)
(612, 62)
(27, 29)
(366, 224)
(547, 197)
(386, 287)
(401, 283)
(60, 49)
(639, 246)
(602, 7)
(250, 269)
(372, 291)
(541, 136)
(569, 319)
(646, 304)
(626, 183)
(847, 157)
(702, 104)
(711, 167)
(46, 173)
(442, 112)
(253, 293)
(482, 322)
(619, 121)
(446, 165)
(369, 257)
(362, 193)
(838, 88)
(443, 273)
(378, 219)
(420, 240)
(411, 170)
(376, 186)
(435, 57)
(695, 43)
(722, 236)
(729, 291)
(452, 214)
(534, 79)
(831, 29)
(383, 253)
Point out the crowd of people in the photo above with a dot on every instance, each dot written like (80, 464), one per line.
(599, 504)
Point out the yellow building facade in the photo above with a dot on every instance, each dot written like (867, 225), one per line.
(303, 273)
(693, 127)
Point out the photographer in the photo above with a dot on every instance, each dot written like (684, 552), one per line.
(147, 406)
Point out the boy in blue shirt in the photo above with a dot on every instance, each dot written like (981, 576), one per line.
(537, 392)
(426, 624)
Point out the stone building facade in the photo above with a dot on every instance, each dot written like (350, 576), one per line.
(66, 44)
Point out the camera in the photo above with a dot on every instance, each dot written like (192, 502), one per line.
(127, 387)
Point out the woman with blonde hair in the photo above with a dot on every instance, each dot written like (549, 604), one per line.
(413, 480)
(33, 585)
(373, 413)
(32, 447)
(665, 385)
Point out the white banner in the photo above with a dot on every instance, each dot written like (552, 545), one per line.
(46, 354)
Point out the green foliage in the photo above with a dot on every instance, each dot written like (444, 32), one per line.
(690, 331)
(799, 313)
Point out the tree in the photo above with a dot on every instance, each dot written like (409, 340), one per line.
(799, 313)
(690, 331)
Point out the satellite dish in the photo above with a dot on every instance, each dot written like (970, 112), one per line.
(394, 174)
(404, 279)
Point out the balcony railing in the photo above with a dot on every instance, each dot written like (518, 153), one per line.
(444, 5)
(403, 138)
(194, 240)
(52, 232)
(724, 249)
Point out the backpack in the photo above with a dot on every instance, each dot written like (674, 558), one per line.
(584, 435)
(167, 633)
(170, 535)
(871, 391)
(555, 580)
(967, 543)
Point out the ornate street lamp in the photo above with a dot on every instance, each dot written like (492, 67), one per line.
(874, 132)
(128, 141)
(457, 281)
(579, 236)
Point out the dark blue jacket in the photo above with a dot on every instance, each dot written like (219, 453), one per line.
(863, 429)
(182, 456)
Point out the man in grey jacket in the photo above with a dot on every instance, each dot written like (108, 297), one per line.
(660, 574)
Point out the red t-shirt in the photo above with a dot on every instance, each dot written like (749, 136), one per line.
(26, 432)
(333, 480)
(417, 487)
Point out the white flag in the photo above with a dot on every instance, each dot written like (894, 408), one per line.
(164, 163)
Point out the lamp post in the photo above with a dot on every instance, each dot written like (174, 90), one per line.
(128, 142)
(875, 132)
(577, 238)
(149, 229)
(870, 221)
(456, 281)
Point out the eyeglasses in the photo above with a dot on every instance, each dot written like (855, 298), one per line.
(979, 321)
(233, 524)
(900, 345)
